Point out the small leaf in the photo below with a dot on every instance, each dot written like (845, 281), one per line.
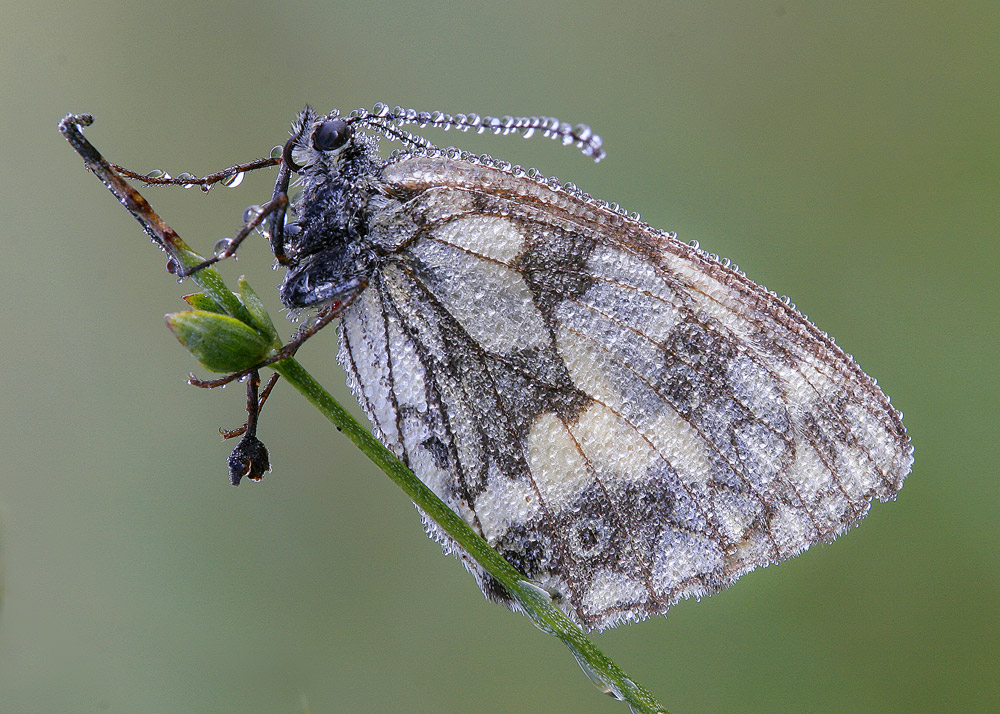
(221, 343)
(256, 308)
(204, 302)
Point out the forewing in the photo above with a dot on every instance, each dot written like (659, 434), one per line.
(623, 417)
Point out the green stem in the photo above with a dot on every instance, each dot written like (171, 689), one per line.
(535, 602)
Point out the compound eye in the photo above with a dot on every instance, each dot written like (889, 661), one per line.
(331, 134)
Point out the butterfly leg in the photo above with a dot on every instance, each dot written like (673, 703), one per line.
(113, 177)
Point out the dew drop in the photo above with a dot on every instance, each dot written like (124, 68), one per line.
(172, 266)
(276, 152)
(186, 176)
(234, 180)
(250, 213)
(156, 174)
(221, 247)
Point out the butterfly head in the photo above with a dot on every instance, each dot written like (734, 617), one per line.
(324, 241)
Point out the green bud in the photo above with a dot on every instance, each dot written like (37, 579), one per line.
(221, 343)
(202, 301)
(255, 307)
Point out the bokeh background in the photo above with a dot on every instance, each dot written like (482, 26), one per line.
(843, 153)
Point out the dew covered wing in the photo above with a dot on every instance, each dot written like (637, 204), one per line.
(628, 421)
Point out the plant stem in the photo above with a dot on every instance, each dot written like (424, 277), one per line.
(535, 602)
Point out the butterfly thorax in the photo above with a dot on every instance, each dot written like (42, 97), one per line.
(325, 243)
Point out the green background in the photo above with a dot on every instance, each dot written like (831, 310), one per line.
(843, 153)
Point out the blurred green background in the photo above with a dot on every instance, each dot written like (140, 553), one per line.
(843, 153)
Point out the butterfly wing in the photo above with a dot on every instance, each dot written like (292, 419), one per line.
(626, 419)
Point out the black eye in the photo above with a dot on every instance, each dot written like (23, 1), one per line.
(331, 134)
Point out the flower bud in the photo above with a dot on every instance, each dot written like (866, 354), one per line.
(221, 343)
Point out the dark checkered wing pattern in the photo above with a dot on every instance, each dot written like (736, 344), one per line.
(626, 419)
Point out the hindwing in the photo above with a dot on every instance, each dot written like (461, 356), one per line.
(625, 418)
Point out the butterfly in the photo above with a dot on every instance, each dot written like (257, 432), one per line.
(628, 419)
